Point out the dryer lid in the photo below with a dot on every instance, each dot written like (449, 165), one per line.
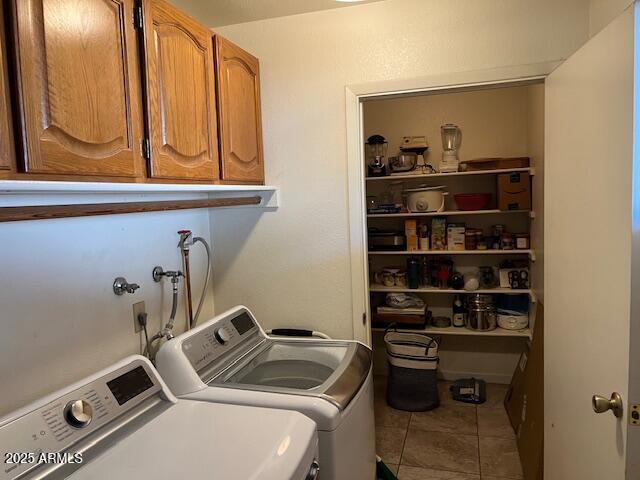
(207, 440)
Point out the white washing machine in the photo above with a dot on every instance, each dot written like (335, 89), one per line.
(230, 359)
(123, 422)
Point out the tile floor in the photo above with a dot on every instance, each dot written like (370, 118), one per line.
(456, 441)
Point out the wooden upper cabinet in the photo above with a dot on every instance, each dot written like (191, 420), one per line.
(181, 95)
(239, 113)
(7, 150)
(78, 77)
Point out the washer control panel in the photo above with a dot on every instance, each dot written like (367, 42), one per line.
(219, 338)
(222, 335)
(53, 426)
(78, 413)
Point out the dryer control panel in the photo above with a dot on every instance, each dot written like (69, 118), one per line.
(220, 339)
(44, 433)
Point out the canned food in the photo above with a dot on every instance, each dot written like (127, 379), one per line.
(506, 241)
(522, 241)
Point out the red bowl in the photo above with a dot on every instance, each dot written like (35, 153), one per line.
(473, 201)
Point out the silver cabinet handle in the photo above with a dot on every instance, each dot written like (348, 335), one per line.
(602, 404)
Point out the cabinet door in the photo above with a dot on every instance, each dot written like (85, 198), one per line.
(181, 95)
(239, 113)
(7, 151)
(79, 87)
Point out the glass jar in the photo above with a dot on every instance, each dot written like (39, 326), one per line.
(395, 193)
(470, 242)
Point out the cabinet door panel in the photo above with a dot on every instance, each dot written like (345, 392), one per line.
(7, 151)
(239, 110)
(181, 95)
(80, 87)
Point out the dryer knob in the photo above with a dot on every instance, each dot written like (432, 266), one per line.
(78, 413)
(222, 336)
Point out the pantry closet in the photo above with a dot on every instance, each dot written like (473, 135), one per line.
(499, 121)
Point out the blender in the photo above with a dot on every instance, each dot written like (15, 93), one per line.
(451, 140)
(376, 148)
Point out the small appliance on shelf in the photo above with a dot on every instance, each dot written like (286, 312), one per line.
(418, 146)
(381, 240)
(376, 150)
(426, 199)
(451, 141)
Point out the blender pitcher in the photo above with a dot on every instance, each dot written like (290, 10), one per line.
(451, 141)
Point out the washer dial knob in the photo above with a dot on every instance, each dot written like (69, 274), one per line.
(78, 413)
(222, 336)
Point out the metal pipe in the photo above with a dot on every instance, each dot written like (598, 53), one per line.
(187, 283)
(206, 278)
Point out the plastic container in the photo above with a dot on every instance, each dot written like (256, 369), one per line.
(413, 367)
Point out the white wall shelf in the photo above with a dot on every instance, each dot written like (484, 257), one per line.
(450, 213)
(22, 193)
(498, 332)
(423, 176)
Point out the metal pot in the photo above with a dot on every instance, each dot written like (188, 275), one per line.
(481, 313)
(403, 162)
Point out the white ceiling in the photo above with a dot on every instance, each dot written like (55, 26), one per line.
(215, 13)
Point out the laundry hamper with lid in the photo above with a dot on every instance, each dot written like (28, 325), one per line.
(413, 368)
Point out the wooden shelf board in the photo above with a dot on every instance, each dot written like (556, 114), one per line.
(498, 332)
(448, 213)
(530, 170)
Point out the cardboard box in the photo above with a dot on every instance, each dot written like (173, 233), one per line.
(439, 234)
(412, 243)
(410, 227)
(525, 403)
(514, 191)
(455, 236)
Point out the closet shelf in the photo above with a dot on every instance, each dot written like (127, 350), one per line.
(449, 213)
(375, 288)
(498, 332)
(423, 176)
(531, 253)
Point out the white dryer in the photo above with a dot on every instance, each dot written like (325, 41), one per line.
(123, 422)
(230, 359)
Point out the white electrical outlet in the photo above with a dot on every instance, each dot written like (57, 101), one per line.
(138, 308)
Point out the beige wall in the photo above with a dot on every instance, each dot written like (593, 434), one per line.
(493, 121)
(601, 12)
(60, 320)
(292, 266)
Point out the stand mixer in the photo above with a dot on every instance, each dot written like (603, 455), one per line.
(419, 146)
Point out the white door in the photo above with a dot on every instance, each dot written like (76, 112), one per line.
(589, 169)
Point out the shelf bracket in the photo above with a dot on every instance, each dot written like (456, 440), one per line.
(532, 296)
(532, 214)
(532, 255)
